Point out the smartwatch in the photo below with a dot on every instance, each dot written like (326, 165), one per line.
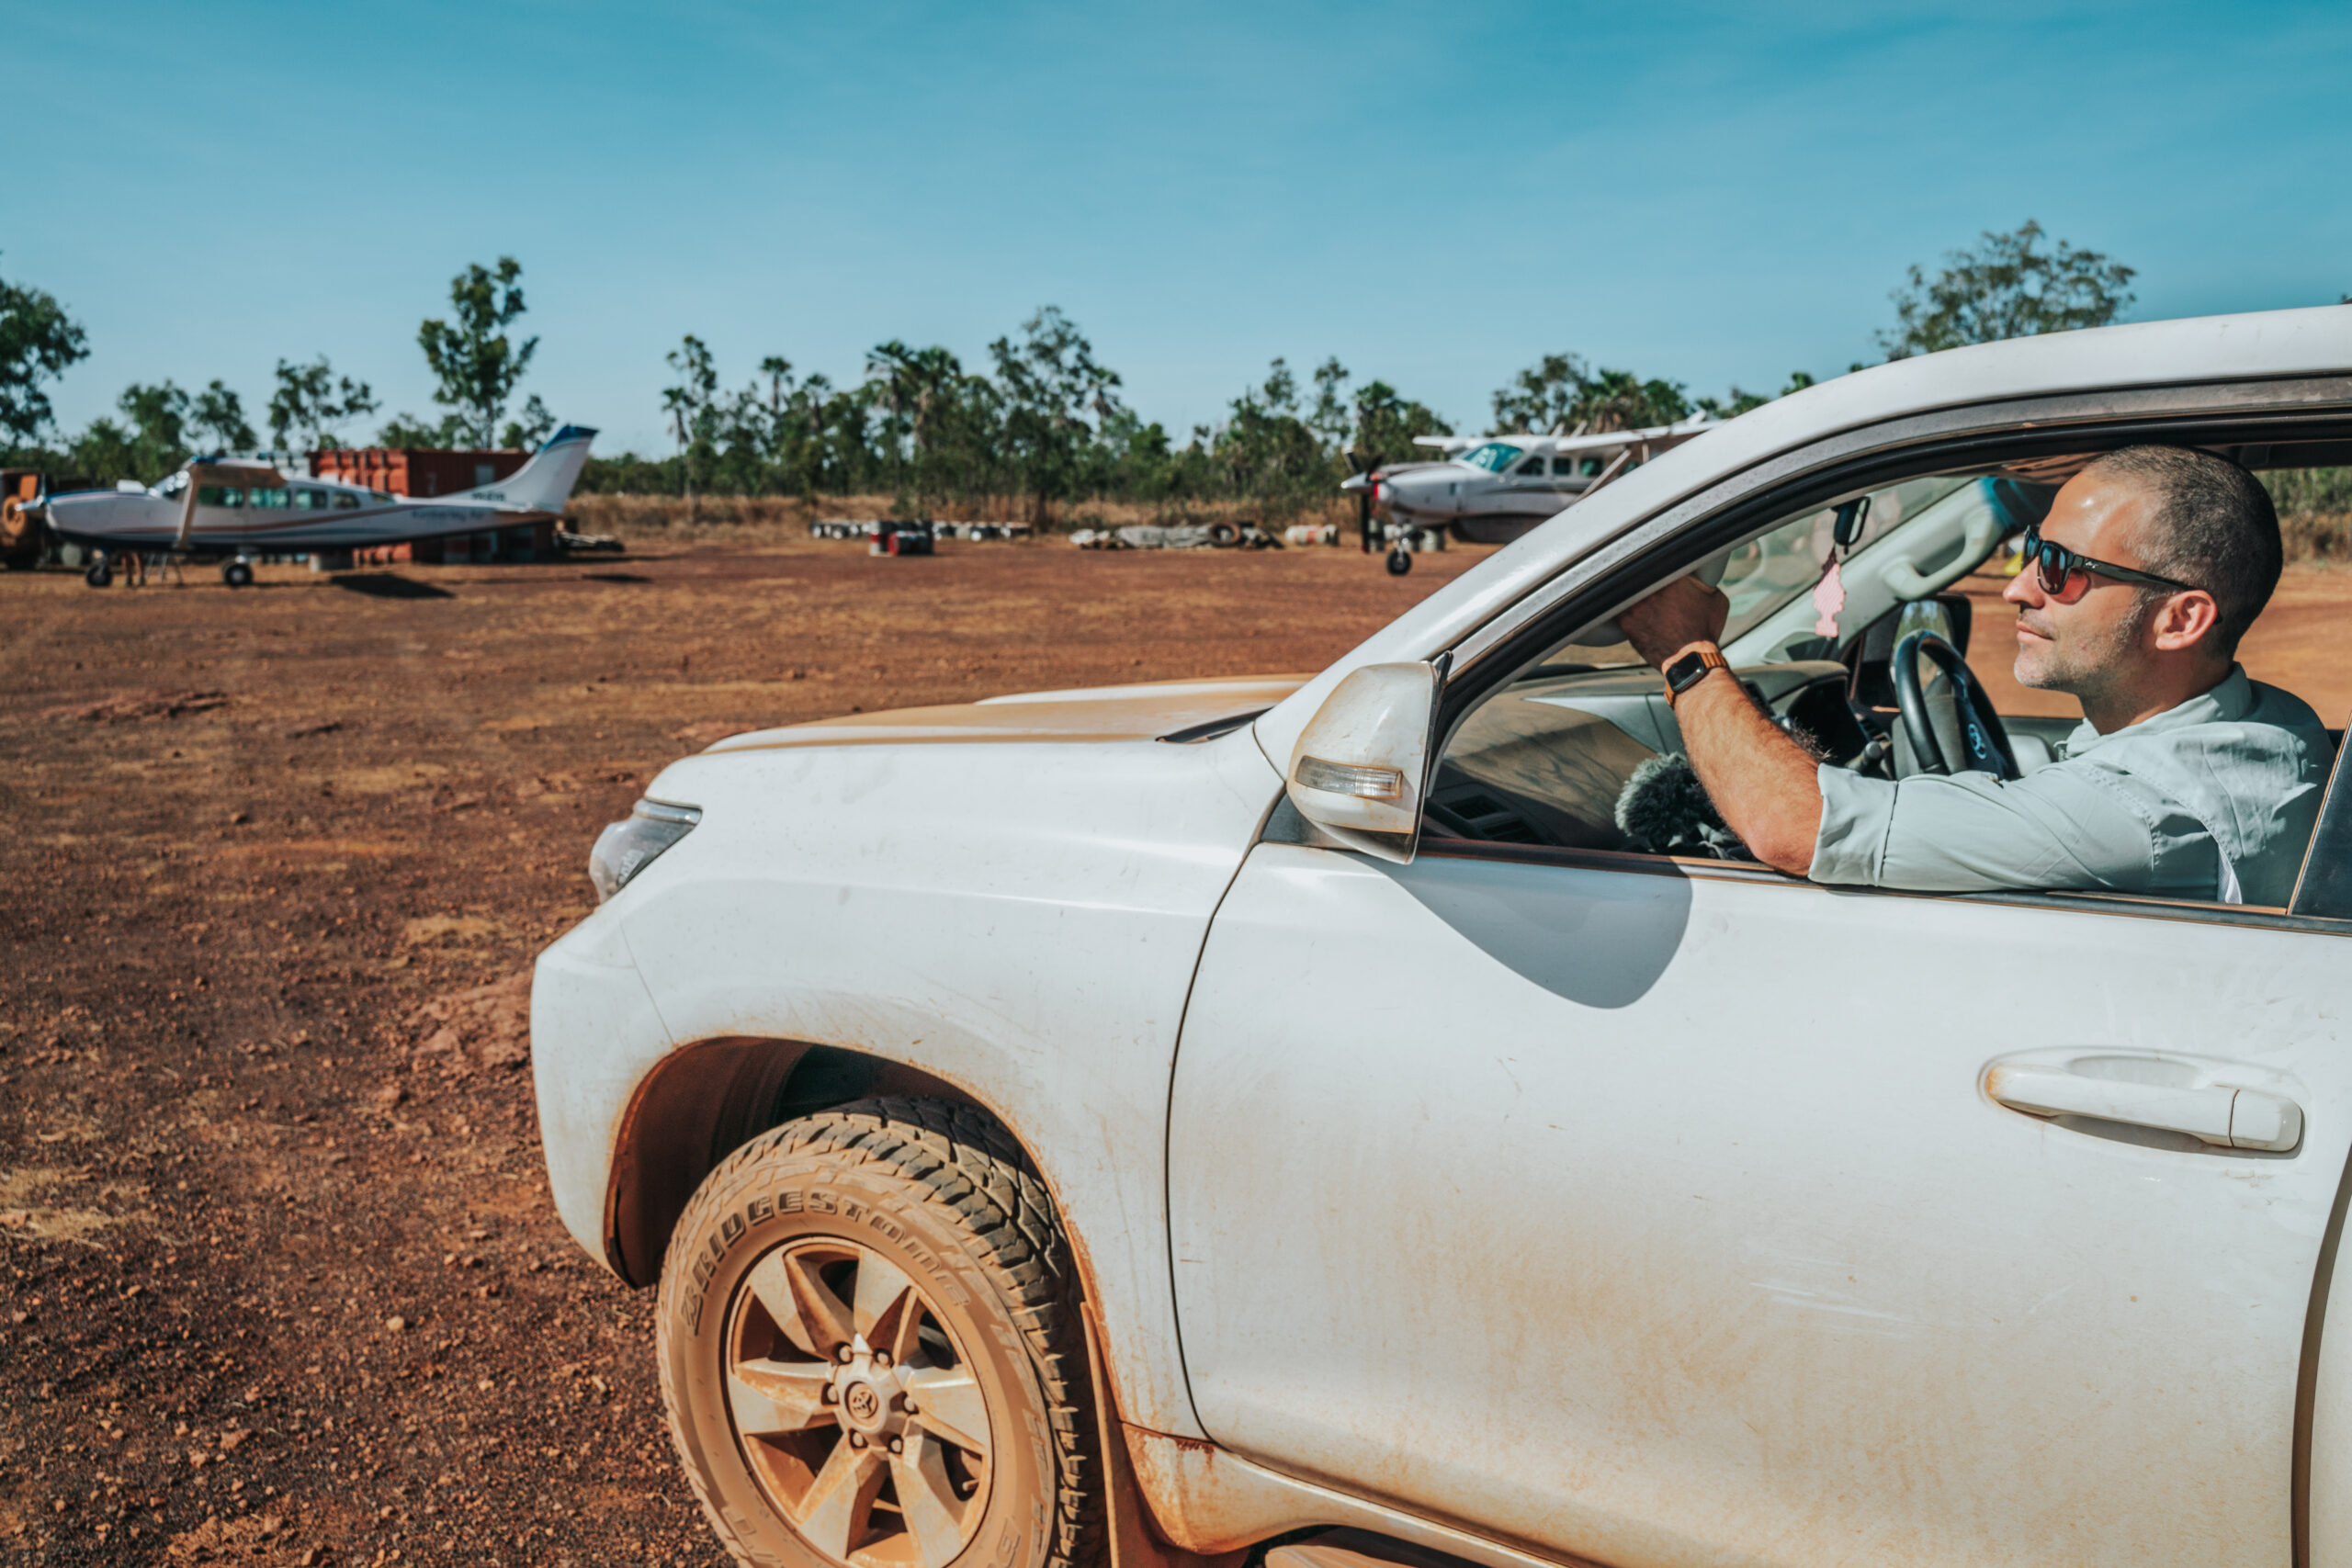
(1690, 668)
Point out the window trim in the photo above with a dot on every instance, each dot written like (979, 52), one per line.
(1694, 869)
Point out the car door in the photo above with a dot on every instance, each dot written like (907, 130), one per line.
(1658, 1211)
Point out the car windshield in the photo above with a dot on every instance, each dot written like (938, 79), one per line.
(1494, 456)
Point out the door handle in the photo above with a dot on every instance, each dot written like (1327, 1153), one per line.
(2220, 1114)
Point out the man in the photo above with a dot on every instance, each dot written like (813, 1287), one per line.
(2185, 778)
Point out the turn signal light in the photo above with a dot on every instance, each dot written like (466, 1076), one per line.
(1342, 778)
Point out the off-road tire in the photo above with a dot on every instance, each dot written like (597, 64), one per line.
(943, 1192)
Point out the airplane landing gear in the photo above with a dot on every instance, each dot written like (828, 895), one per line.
(101, 572)
(1400, 561)
(237, 574)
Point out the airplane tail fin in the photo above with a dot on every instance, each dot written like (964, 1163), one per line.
(544, 482)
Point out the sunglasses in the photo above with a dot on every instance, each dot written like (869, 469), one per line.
(2065, 574)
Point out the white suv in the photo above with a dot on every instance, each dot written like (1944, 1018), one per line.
(1177, 1117)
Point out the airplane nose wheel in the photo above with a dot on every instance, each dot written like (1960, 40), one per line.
(237, 574)
(101, 572)
(1400, 561)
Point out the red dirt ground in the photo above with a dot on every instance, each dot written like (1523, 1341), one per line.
(264, 849)
(278, 1277)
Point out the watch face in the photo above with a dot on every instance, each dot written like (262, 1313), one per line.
(1685, 669)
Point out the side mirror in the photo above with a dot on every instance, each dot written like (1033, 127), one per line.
(1360, 765)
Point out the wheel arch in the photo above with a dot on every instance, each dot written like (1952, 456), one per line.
(704, 1100)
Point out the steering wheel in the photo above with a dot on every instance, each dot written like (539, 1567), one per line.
(1986, 743)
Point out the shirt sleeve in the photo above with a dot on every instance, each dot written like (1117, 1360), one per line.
(2067, 826)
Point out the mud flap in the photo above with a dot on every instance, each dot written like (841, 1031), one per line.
(1135, 1538)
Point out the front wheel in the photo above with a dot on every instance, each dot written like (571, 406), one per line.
(100, 573)
(869, 1350)
(1400, 561)
(237, 574)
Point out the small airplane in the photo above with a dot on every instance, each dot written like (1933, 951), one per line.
(239, 508)
(1489, 490)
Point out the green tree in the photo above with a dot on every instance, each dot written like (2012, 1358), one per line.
(1560, 392)
(1055, 394)
(313, 403)
(1386, 423)
(690, 405)
(37, 340)
(534, 425)
(408, 430)
(477, 365)
(2008, 287)
(218, 415)
(1331, 419)
(1739, 401)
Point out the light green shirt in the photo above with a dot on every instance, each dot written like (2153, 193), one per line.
(2213, 799)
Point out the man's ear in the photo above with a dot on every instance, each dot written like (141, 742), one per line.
(2183, 620)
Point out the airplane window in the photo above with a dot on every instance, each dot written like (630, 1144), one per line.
(219, 495)
(1533, 466)
(1591, 467)
(382, 498)
(1494, 456)
(345, 502)
(1564, 467)
(310, 498)
(274, 500)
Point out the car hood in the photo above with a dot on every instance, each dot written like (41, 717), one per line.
(1094, 712)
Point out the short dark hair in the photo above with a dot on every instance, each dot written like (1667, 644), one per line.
(2214, 527)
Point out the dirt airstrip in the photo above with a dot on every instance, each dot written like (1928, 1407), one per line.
(279, 1279)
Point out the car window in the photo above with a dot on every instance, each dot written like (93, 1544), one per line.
(1581, 751)
(1494, 456)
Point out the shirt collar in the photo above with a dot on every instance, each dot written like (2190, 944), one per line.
(2230, 700)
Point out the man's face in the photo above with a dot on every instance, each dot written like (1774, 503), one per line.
(2082, 645)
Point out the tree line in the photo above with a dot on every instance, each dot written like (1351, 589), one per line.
(1041, 424)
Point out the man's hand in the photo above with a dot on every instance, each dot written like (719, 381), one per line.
(1683, 611)
(1764, 783)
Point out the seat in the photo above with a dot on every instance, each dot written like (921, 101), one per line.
(2323, 887)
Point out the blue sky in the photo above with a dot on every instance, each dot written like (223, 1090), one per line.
(1713, 193)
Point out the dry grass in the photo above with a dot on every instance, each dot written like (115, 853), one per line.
(745, 520)
(2317, 535)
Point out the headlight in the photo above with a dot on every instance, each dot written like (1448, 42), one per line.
(628, 846)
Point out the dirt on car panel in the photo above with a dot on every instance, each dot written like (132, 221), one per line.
(279, 1277)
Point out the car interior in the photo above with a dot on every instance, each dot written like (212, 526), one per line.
(1579, 751)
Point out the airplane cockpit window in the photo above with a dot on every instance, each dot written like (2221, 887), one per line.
(1494, 456)
(345, 502)
(274, 500)
(219, 495)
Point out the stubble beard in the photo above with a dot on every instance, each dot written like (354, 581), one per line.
(2086, 665)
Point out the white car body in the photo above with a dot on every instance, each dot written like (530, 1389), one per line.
(256, 510)
(1533, 1211)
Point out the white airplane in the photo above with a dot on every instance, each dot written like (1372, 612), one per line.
(1488, 489)
(239, 508)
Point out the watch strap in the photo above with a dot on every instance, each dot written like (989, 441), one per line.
(1690, 668)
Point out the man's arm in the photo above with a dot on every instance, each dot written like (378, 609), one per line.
(1766, 786)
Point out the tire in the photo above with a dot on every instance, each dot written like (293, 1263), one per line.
(1400, 561)
(906, 1223)
(237, 574)
(101, 573)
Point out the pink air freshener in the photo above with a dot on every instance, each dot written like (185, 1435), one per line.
(1828, 597)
